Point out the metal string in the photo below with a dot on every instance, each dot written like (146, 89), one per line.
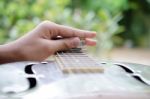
(73, 59)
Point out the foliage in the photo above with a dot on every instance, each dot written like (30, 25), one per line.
(137, 23)
(118, 22)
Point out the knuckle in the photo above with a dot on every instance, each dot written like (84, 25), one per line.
(46, 24)
(73, 33)
(66, 45)
(83, 34)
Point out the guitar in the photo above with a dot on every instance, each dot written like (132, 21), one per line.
(74, 75)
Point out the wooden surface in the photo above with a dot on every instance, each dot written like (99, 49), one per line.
(141, 56)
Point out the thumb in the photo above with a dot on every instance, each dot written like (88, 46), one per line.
(64, 44)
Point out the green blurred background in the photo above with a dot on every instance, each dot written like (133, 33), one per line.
(118, 23)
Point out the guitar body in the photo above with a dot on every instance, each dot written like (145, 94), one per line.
(33, 80)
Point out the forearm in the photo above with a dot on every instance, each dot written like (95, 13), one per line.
(8, 53)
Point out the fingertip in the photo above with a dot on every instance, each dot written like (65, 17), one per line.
(90, 42)
(94, 33)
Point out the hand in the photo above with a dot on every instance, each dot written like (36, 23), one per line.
(39, 43)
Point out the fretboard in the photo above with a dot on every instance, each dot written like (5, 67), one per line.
(77, 61)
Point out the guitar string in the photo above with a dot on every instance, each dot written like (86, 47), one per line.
(90, 74)
(71, 57)
(80, 58)
(75, 60)
(63, 67)
(66, 57)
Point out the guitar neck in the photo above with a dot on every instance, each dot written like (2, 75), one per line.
(77, 61)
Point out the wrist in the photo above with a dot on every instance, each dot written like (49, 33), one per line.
(8, 53)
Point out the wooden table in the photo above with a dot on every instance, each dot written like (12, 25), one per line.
(141, 56)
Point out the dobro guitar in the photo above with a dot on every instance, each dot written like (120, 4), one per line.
(74, 75)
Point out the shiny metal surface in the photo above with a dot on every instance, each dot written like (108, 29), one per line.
(51, 83)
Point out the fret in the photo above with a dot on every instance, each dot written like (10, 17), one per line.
(76, 61)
